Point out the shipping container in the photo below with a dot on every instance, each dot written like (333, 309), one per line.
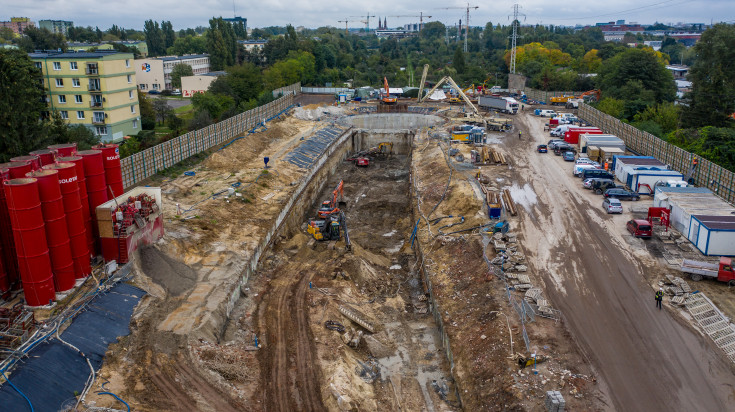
(571, 136)
(599, 140)
(713, 235)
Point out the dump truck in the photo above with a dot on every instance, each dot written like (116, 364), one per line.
(561, 100)
(698, 270)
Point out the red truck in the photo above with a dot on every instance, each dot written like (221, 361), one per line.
(698, 270)
(572, 135)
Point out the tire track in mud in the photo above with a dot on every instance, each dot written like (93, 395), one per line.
(290, 385)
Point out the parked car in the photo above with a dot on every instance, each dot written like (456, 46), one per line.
(560, 148)
(568, 156)
(639, 228)
(591, 182)
(585, 160)
(599, 186)
(553, 142)
(612, 205)
(601, 173)
(542, 148)
(581, 167)
(154, 92)
(622, 194)
(176, 92)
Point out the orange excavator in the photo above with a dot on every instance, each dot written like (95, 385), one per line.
(330, 219)
(330, 207)
(387, 99)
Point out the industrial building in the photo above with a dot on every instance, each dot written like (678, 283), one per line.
(198, 83)
(155, 73)
(94, 89)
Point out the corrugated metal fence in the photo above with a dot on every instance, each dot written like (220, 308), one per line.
(294, 88)
(148, 162)
(706, 174)
(542, 96)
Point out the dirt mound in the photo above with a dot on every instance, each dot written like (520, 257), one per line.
(173, 275)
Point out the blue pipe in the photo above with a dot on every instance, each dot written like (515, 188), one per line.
(22, 394)
(116, 397)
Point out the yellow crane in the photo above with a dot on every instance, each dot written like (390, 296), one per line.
(348, 21)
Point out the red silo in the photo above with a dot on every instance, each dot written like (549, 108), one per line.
(57, 235)
(18, 170)
(81, 181)
(94, 174)
(35, 161)
(45, 155)
(113, 172)
(63, 150)
(6, 234)
(29, 233)
(75, 223)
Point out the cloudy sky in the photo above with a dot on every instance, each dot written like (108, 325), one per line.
(316, 13)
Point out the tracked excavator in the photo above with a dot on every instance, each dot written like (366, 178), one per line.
(331, 219)
(388, 99)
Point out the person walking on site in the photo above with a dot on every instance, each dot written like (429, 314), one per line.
(659, 297)
(519, 135)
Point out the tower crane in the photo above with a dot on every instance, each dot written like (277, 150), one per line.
(348, 21)
(367, 21)
(466, 22)
(420, 16)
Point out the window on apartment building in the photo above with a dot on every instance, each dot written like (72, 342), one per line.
(132, 109)
(135, 124)
(143, 86)
(80, 114)
(38, 65)
(127, 62)
(130, 94)
(73, 66)
(59, 82)
(64, 114)
(130, 78)
(62, 98)
(100, 130)
(57, 65)
(75, 82)
(156, 86)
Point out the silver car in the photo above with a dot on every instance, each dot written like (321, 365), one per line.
(612, 205)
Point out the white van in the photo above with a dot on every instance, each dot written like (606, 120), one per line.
(560, 130)
(546, 113)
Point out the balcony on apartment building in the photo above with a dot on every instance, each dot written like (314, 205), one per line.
(94, 86)
(92, 69)
(96, 101)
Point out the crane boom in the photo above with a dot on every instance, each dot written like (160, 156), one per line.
(423, 80)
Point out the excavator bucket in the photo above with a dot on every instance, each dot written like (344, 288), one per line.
(342, 204)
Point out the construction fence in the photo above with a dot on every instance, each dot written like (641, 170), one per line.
(146, 163)
(705, 174)
(294, 88)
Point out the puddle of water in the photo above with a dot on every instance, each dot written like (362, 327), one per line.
(524, 196)
(391, 233)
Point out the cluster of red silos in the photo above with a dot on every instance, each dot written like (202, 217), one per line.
(47, 205)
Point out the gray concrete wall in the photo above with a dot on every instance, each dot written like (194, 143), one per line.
(392, 121)
(401, 139)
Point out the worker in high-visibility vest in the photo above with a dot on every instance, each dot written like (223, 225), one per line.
(659, 297)
(695, 162)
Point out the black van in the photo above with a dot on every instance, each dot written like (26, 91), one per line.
(599, 173)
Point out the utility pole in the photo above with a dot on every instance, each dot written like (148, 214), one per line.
(514, 37)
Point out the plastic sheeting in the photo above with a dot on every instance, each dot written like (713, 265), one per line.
(53, 371)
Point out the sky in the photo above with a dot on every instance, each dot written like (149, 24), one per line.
(317, 13)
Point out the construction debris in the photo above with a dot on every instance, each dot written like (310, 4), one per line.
(356, 317)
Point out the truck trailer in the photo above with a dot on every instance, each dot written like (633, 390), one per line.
(504, 104)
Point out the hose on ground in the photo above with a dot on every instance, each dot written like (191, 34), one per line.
(18, 390)
(116, 397)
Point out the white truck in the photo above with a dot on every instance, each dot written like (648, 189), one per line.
(504, 104)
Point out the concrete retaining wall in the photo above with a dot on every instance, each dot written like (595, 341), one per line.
(392, 121)
(401, 139)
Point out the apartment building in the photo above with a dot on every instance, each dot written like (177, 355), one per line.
(18, 24)
(95, 89)
(56, 26)
(155, 73)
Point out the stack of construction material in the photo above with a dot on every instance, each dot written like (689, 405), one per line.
(16, 326)
(555, 402)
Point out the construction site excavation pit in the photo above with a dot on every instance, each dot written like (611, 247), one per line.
(343, 329)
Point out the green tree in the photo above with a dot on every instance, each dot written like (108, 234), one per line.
(200, 120)
(21, 129)
(189, 44)
(147, 114)
(168, 33)
(221, 43)
(154, 38)
(59, 131)
(41, 39)
(174, 122)
(613, 107)
(458, 61)
(637, 70)
(129, 147)
(712, 98)
(180, 70)
(213, 104)
(160, 107)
